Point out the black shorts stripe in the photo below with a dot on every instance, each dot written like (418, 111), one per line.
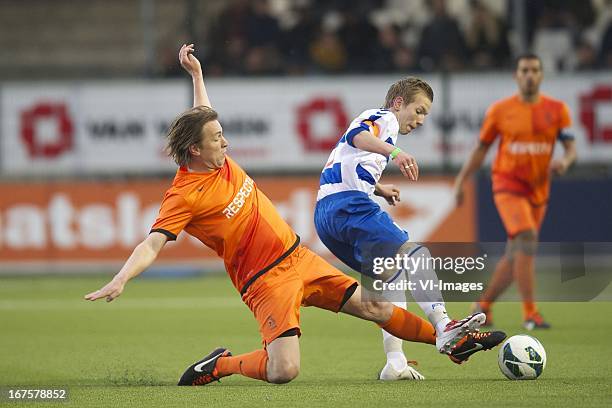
(272, 265)
(291, 332)
(347, 294)
(167, 233)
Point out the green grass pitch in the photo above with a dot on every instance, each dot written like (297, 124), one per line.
(132, 351)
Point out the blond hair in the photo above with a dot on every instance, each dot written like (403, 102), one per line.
(408, 88)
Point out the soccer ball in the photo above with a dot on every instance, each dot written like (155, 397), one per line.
(522, 357)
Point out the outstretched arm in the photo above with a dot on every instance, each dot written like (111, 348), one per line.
(191, 64)
(474, 162)
(142, 257)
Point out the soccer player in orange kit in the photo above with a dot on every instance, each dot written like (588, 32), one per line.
(528, 126)
(214, 200)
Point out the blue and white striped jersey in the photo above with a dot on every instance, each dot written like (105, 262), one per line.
(349, 168)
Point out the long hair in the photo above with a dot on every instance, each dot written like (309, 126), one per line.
(186, 131)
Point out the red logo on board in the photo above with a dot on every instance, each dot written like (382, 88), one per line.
(321, 106)
(65, 129)
(597, 132)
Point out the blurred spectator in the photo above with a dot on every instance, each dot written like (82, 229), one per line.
(442, 45)
(389, 43)
(605, 49)
(486, 37)
(339, 36)
(262, 29)
(360, 39)
(533, 10)
(228, 40)
(328, 52)
(296, 41)
(404, 59)
(262, 35)
(558, 27)
(553, 14)
(585, 55)
(574, 14)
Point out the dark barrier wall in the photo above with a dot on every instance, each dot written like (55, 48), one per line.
(578, 210)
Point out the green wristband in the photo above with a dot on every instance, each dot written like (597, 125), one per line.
(395, 152)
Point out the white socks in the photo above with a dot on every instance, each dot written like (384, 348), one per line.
(436, 314)
(430, 301)
(391, 344)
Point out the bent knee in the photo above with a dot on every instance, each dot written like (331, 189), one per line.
(527, 236)
(377, 311)
(283, 373)
(525, 242)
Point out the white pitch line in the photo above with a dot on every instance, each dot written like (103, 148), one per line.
(123, 303)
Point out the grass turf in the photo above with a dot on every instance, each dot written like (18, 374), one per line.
(132, 351)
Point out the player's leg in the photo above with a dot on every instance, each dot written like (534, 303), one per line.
(343, 224)
(397, 321)
(522, 222)
(376, 235)
(515, 213)
(283, 359)
(500, 280)
(524, 270)
(278, 363)
(524, 259)
(429, 298)
(408, 326)
(327, 288)
(275, 300)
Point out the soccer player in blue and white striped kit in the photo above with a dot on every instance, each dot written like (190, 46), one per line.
(350, 223)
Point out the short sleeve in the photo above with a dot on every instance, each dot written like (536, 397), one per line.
(174, 215)
(375, 124)
(489, 131)
(565, 119)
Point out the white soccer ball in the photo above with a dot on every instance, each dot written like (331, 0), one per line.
(522, 357)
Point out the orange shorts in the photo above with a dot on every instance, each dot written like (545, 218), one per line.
(518, 214)
(303, 278)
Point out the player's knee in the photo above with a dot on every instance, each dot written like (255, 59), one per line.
(410, 247)
(283, 372)
(414, 250)
(526, 242)
(377, 311)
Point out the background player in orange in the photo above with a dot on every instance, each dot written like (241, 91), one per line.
(214, 200)
(528, 126)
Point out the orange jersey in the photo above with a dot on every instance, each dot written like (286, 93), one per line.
(226, 211)
(528, 132)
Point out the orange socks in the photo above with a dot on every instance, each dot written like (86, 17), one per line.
(408, 326)
(251, 365)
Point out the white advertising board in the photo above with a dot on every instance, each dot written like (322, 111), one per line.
(271, 124)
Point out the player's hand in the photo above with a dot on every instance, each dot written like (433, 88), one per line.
(188, 61)
(389, 192)
(110, 291)
(458, 194)
(558, 167)
(407, 165)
